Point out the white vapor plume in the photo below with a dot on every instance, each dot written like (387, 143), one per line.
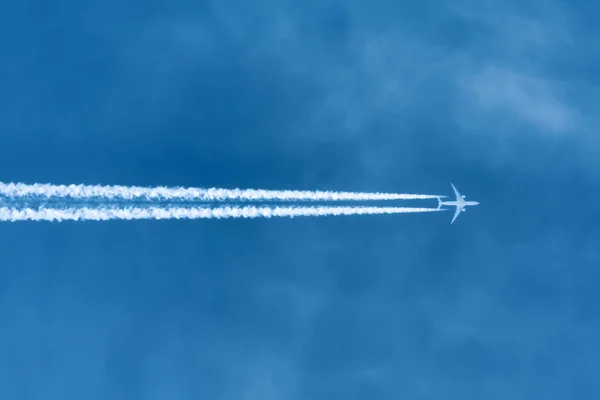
(157, 213)
(13, 190)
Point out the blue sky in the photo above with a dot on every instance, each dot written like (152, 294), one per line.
(497, 97)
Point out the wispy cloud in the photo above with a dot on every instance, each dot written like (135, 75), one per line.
(530, 99)
(468, 62)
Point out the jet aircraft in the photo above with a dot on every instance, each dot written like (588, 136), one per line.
(460, 203)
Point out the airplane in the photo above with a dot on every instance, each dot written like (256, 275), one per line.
(460, 203)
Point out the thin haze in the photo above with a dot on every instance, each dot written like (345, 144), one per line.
(499, 98)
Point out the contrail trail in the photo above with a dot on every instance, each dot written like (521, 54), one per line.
(159, 213)
(13, 190)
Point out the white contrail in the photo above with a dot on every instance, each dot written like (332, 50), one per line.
(175, 193)
(135, 213)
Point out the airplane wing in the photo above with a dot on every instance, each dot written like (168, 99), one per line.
(458, 196)
(455, 214)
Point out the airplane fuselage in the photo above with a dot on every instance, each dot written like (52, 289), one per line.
(460, 203)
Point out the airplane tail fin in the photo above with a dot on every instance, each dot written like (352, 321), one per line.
(439, 199)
